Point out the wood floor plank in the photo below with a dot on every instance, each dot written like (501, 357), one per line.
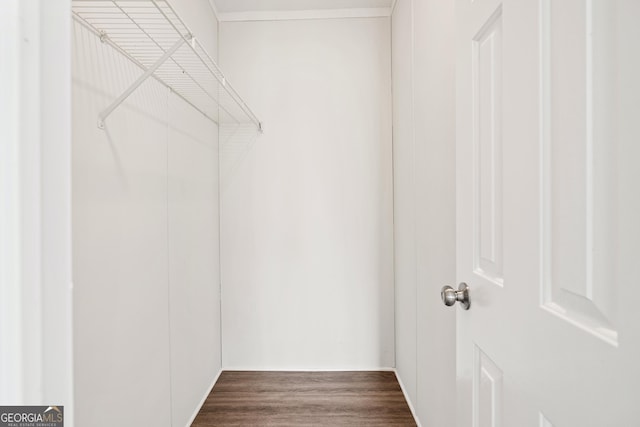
(242, 398)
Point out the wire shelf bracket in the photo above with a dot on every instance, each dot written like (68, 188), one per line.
(151, 35)
(105, 113)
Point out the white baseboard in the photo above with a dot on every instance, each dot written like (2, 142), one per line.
(304, 369)
(204, 398)
(406, 397)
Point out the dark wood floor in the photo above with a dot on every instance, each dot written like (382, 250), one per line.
(242, 398)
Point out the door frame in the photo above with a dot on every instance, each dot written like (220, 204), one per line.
(35, 194)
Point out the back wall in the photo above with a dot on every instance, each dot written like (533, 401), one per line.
(307, 207)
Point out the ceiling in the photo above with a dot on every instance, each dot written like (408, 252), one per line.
(234, 6)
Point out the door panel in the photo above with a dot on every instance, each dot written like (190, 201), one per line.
(487, 155)
(546, 132)
(487, 391)
(578, 164)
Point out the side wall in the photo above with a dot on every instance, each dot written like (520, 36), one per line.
(306, 219)
(424, 210)
(146, 241)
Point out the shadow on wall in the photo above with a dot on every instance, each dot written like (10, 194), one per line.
(236, 141)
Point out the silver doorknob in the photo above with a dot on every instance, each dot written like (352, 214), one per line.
(450, 295)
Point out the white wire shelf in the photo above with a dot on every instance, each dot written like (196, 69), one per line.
(152, 35)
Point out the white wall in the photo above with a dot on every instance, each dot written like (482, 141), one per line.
(306, 216)
(424, 185)
(145, 227)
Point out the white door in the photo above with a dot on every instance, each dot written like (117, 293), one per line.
(548, 212)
